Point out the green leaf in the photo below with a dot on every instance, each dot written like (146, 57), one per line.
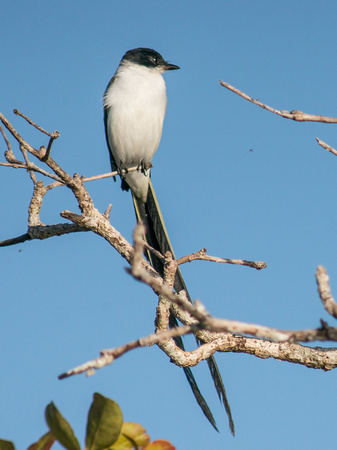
(132, 436)
(44, 443)
(104, 423)
(61, 428)
(6, 445)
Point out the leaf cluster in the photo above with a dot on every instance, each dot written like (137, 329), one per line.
(105, 431)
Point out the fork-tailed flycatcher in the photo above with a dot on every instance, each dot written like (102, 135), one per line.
(134, 110)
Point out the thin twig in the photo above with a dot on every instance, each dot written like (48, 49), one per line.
(110, 355)
(201, 255)
(107, 212)
(31, 172)
(324, 291)
(299, 116)
(17, 240)
(109, 174)
(93, 178)
(154, 251)
(16, 135)
(17, 165)
(327, 147)
(9, 153)
(53, 135)
(31, 166)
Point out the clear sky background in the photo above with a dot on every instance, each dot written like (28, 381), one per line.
(64, 299)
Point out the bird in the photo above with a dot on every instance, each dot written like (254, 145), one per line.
(134, 104)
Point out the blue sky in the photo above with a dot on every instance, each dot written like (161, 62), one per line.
(64, 299)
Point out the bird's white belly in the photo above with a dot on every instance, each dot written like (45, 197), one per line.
(134, 135)
(137, 105)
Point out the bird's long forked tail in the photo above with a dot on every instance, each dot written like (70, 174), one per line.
(157, 237)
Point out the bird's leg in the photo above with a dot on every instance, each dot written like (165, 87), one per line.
(122, 171)
(141, 166)
(144, 166)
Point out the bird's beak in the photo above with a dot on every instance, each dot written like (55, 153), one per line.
(169, 66)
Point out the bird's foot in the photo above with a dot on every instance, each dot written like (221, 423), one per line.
(144, 166)
(122, 172)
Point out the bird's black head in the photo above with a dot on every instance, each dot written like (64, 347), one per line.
(148, 58)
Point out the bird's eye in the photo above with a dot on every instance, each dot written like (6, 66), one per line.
(154, 59)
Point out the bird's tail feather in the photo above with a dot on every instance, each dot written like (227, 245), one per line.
(221, 391)
(157, 237)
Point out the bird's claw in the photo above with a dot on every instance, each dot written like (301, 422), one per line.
(122, 172)
(144, 166)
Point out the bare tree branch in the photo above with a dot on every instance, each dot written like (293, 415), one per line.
(299, 116)
(54, 135)
(36, 229)
(109, 356)
(317, 357)
(327, 147)
(31, 166)
(17, 240)
(328, 301)
(217, 334)
(8, 153)
(201, 255)
(203, 319)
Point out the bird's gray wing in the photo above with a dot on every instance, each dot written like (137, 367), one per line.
(112, 159)
(114, 166)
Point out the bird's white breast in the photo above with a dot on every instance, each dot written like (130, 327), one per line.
(137, 104)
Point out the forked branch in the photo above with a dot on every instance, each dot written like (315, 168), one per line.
(218, 334)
